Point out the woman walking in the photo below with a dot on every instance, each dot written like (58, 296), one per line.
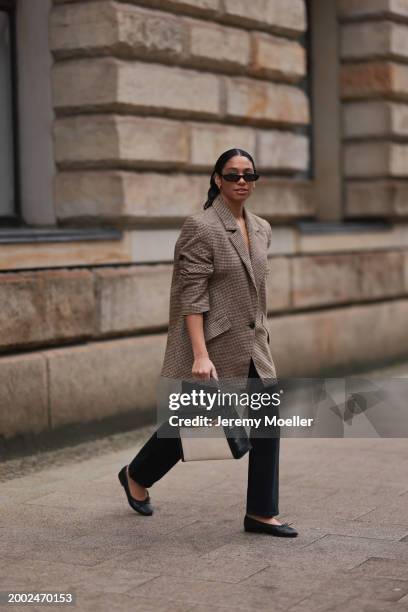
(217, 329)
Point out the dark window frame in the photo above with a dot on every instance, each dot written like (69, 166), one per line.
(14, 219)
(328, 183)
(308, 85)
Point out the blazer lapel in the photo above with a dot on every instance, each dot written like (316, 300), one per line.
(236, 237)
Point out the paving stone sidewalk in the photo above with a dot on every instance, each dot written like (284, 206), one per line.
(68, 528)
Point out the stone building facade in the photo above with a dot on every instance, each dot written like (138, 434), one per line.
(113, 114)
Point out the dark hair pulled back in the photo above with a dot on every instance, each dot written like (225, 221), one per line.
(218, 169)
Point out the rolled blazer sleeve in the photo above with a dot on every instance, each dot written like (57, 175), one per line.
(196, 265)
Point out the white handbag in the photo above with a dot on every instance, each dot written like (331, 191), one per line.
(200, 443)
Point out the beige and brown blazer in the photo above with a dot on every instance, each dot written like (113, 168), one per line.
(214, 274)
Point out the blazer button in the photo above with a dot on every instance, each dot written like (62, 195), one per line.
(252, 324)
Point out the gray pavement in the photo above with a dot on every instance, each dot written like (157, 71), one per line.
(66, 527)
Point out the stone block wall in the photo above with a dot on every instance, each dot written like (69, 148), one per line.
(374, 89)
(81, 345)
(148, 94)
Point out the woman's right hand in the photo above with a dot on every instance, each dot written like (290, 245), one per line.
(204, 368)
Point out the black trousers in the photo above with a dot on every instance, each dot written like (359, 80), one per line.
(160, 454)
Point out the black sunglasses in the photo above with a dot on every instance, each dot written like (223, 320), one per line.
(248, 177)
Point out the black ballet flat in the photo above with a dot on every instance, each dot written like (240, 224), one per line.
(143, 507)
(282, 531)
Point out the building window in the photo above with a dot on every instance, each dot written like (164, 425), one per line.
(8, 166)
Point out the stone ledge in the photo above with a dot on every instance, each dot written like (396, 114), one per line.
(374, 79)
(144, 246)
(261, 102)
(376, 198)
(282, 151)
(372, 9)
(277, 58)
(276, 18)
(46, 306)
(375, 119)
(376, 159)
(327, 279)
(154, 199)
(100, 379)
(109, 141)
(278, 284)
(394, 238)
(54, 307)
(89, 383)
(126, 31)
(28, 254)
(132, 299)
(340, 227)
(311, 343)
(204, 8)
(120, 196)
(126, 142)
(281, 200)
(24, 403)
(27, 235)
(133, 87)
(373, 40)
(136, 87)
(279, 15)
(51, 307)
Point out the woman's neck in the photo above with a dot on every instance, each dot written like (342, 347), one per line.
(237, 208)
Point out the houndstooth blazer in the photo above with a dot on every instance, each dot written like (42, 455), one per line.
(214, 274)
